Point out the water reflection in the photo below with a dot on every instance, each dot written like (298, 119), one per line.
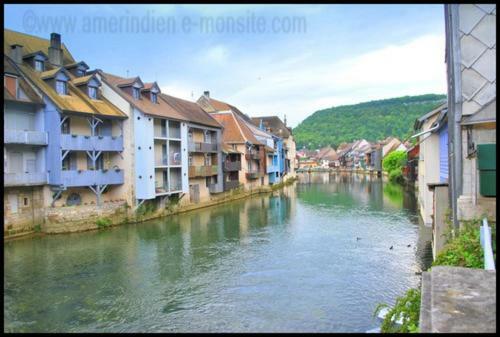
(288, 261)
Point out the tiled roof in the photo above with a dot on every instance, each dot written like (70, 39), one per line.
(31, 44)
(274, 124)
(235, 129)
(159, 109)
(76, 101)
(191, 111)
(29, 92)
(82, 79)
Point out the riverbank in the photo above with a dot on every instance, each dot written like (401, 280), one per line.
(69, 219)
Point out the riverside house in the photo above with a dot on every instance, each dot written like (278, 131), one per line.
(241, 135)
(157, 139)
(204, 134)
(275, 126)
(79, 131)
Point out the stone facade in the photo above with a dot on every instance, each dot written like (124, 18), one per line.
(22, 209)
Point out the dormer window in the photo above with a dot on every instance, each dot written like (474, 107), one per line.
(61, 87)
(135, 93)
(154, 97)
(93, 92)
(39, 66)
(80, 72)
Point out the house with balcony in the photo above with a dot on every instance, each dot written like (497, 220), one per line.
(84, 130)
(242, 135)
(25, 145)
(277, 127)
(243, 152)
(204, 144)
(157, 139)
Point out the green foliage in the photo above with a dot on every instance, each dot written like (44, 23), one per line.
(394, 161)
(396, 176)
(103, 223)
(407, 308)
(374, 120)
(464, 250)
(146, 208)
(37, 228)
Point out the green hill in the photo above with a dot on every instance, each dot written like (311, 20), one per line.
(374, 120)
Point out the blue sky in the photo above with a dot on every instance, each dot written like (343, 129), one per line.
(300, 59)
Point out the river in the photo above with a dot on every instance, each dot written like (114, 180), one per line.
(285, 262)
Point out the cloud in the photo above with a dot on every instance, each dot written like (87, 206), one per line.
(299, 88)
(217, 55)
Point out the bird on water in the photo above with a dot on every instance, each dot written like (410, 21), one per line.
(391, 248)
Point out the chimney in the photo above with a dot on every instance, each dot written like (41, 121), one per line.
(206, 94)
(55, 50)
(16, 53)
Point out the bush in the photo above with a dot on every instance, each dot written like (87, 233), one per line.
(394, 161)
(396, 176)
(407, 308)
(464, 250)
(103, 223)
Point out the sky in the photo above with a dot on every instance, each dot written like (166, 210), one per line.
(265, 59)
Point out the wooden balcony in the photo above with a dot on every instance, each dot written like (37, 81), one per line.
(202, 147)
(90, 143)
(231, 166)
(231, 184)
(253, 175)
(24, 179)
(202, 171)
(25, 137)
(255, 155)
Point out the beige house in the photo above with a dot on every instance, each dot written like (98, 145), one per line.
(428, 162)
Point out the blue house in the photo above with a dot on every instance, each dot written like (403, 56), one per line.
(83, 139)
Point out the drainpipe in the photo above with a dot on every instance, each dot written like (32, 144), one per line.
(455, 108)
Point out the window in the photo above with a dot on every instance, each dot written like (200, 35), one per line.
(61, 87)
(26, 201)
(65, 127)
(154, 97)
(80, 72)
(208, 160)
(93, 92)
(190, 160)
(39, 66)
(135, 93)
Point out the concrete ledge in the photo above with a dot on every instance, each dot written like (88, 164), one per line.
(461, 300)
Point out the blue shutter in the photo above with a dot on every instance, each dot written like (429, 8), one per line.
(443, 154)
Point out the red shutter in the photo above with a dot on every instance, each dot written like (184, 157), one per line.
(11, 85)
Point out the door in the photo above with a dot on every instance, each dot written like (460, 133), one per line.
(30, 166)
(194, 193)
(13, 203)
(15, 162)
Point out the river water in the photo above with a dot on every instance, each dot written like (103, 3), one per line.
(285, 262)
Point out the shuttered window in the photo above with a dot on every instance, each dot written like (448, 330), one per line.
(443, 154)
(10, 83)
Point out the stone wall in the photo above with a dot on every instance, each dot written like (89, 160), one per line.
(29, 213)
(81, 218)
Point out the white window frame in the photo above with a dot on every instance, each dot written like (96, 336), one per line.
(136, 93)
(92, 90)
(39, 62)
(64, 87)
(154, 97)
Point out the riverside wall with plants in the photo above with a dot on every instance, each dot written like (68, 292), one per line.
(461, 250)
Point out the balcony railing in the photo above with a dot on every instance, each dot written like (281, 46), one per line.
(174, 187)
(202, 147)
(215, 188)
(231, 184)
(91, 177)
(89, 143)
(272, 168)
(230, 166)
(25, 137)
(252, 155)
(24, 179)
(252, 175)
(202, 171)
